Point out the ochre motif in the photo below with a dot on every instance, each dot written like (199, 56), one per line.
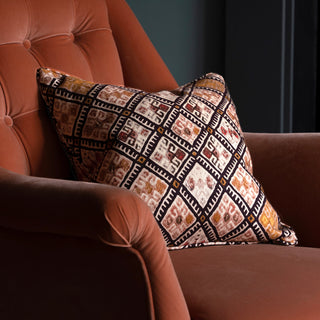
(150, 188)
(270, 221)
(77, 85)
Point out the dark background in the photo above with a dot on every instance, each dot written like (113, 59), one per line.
(266, 50)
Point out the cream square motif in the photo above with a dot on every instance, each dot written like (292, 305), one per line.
(66, 115)
(98, 124)
(227, 216)
(229, 133)
(167, 95)
(115, 95)
(178, 218)
(200, 183)
(199, 109)
(216, 154)
(168, 155)
(211, 96)
(134, 134)
(198, 237)
(248, 161)
(114, 168)
(247, 236)
(150, 188)
(231, 112)
(152, 109)
(185, 129)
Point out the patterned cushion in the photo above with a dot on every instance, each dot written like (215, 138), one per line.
(181, 151)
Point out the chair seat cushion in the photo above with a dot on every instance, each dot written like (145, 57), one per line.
(250, 282)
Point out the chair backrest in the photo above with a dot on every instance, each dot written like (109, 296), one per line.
(98, 40)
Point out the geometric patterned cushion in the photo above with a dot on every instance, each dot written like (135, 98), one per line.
(181, 151)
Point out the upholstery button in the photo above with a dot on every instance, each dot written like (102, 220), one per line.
(71, 36)
(27, 44)
(8, 121)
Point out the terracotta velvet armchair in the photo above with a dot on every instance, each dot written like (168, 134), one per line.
(77, 250)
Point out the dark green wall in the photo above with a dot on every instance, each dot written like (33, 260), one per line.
(188, 34)
(266, 50)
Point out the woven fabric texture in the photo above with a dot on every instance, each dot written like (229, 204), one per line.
(181, 151)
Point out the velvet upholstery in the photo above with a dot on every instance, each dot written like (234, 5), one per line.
(288, 166)
(80, 250)
(78, 37)
(250, 282)
(74, 36)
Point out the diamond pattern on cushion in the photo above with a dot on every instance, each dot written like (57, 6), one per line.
(182, 152)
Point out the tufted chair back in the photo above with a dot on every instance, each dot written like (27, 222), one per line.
(98, 40)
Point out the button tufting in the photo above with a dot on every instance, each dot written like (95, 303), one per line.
(27, 44)
(8, 121)
(71, 36)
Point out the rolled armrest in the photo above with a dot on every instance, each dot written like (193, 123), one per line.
(115, 216)
(288, 167)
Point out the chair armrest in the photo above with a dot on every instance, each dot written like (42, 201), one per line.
(288, 167)
(115, 216)
(70, 278)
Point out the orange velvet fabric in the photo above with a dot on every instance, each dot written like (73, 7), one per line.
(250, 282)
(288, 167)
(102, 213)
(99, 40)
(48, 276)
